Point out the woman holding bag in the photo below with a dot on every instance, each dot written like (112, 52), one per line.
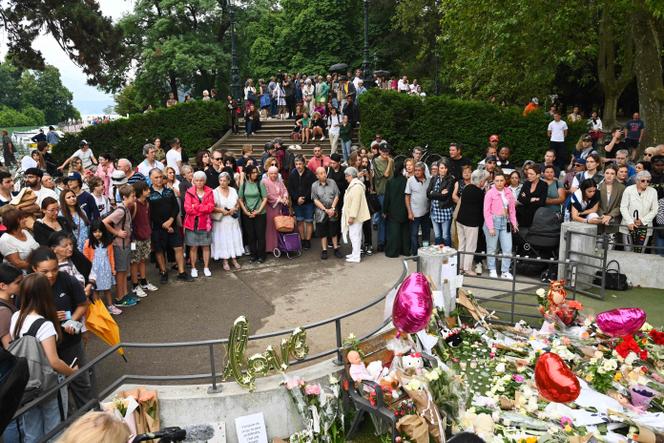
(226, 232)
(277, 202)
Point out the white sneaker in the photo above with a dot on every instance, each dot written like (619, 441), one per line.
(507, 276)
(322, 138)
(149, 287)
(492, 274)
(194, 273)
(206, 272)
(140, 292)
(353, 260)
(478, 268)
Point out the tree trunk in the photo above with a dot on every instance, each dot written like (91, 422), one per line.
(648, 70)
(610, 108)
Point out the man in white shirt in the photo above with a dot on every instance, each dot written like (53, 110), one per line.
(557, 131)
(147, 165)
(357, 78)
(403, 86)
(174, 156)
(84, 153)
(33, 178)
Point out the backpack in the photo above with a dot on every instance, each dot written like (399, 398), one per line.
(14, 375)
(42, 376)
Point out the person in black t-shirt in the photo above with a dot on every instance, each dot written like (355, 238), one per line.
(617, 143)
(457, 160)
(71, 304)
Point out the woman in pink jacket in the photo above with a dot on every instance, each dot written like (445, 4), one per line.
(499, 210)
(198, 205)
(104, 171)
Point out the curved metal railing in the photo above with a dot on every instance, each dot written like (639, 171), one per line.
(213, 375)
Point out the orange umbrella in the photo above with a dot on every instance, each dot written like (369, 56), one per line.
(99, 321)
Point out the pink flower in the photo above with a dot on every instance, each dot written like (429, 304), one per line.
(294, 382)
(312, 389)
(518, 378)
(564, 421)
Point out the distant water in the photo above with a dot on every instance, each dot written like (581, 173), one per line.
(93, 107)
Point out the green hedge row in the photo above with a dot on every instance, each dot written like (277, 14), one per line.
(197, 124)
(406, 121)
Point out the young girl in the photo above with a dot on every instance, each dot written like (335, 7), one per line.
(96, 185)
(99, 250)
(499, 211)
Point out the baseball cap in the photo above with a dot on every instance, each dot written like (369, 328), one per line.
(384, 147)
(118, 177)
(73, 176)
(494, 138)
(83, 143)
(580, 161)
(490, 158)
(336, 157)
(34, 171)
(657, 159)
(587, 138)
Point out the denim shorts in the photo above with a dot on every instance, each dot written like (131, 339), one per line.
(304, 212)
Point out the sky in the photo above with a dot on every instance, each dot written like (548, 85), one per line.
(87, 99)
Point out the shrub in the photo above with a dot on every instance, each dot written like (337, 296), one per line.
(197, 124)
(27, 117)
(406, 121)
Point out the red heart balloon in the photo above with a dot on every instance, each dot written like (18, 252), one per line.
(555, 380)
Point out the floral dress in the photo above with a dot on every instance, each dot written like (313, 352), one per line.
(101, 265)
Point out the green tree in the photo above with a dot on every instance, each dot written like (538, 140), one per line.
(44, 90)
(175, 45)
(126, 101)
(88, 38)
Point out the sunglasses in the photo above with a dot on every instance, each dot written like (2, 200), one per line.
(577, 164)
(647, 155)
(217, 158)
(645, 181)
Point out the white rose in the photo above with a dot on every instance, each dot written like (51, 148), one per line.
(540, 292)
(500, 368)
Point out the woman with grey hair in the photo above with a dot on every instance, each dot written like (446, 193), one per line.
(198, 206)
(226, 232)
(355, 211)
(638, 208)
(470, 218)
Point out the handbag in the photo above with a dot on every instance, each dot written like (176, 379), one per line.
(374, 203)
(613, 279)
(284, 223)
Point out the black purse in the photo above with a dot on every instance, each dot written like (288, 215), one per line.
(374, 203)
(614, 279)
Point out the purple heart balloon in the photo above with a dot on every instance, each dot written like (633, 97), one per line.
(621, 321)
(413, 304)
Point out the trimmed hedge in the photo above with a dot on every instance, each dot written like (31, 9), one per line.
(406, 121)
(197, 124)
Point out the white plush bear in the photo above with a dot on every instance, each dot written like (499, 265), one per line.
(413, 363)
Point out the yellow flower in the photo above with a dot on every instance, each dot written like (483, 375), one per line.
(589, 378)
(618, 376)
(568, 428)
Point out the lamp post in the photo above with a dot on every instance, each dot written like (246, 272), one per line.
(366, 65)
(235, 91)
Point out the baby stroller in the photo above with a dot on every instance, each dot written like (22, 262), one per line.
(540, 240)
(288, 239)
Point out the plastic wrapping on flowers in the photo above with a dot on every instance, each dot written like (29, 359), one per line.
(590, 385)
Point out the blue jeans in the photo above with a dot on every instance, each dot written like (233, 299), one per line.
(505, 238)
(442, 232)
(273, 107)
(425, 222)
(345, 148)
(249, 126)
(35, 423)
(380, 222)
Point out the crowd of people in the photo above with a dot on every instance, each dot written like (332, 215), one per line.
(86, 228)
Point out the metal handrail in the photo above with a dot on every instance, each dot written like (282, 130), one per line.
(213, 374)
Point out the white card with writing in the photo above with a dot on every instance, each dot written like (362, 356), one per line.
(251, 428)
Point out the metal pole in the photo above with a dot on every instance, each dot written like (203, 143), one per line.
(337, 327)
(214, 389)
(235, 69)
(605, 247)
(366, 65)
(513, 266)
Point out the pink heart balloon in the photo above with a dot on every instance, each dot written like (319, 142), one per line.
(621, 321)
(413, 304)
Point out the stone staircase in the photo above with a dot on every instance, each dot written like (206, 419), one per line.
(270, 130)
